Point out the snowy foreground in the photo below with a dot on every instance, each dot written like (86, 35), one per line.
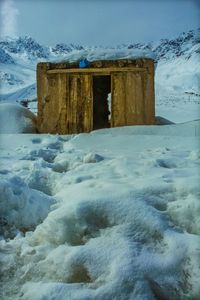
(114, 214)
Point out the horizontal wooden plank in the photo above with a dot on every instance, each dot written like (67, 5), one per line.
(96, 70)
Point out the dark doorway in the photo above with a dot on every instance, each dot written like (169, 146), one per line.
(101, 89)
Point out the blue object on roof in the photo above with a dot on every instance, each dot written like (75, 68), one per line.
(83, 63)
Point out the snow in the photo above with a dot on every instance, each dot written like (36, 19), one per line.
(177, 107)
(177, 87)
(113, 214)
(16, 119)
(179, 74)
(105, 54)
(25, 207)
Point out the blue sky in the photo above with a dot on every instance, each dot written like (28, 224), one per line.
(98, 22)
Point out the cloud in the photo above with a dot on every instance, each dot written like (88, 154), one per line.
(9, 15)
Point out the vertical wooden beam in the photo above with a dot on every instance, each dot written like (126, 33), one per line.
(73, 95)
(42, 92)
(61, 123)
(139, 100)
(87, 102)
(80, 105)
(51, 107)
(149, 92)
(133, 100)
(118, 109)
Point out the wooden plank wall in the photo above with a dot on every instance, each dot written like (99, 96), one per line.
(65, 103)
(61, 99)
(80, 106)
(42, 91)
(54, 108)
(149, 92)
(127, 99)
(118, 105)
(51, 92)
(133, 98)
(87, 99)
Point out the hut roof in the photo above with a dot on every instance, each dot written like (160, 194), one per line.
(104, 54)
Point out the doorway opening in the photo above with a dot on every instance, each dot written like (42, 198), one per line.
(101, 91)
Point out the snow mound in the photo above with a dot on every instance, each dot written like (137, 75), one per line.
(106, 54)
(124, 223)
(24, 207)
(16, 119)
(92, 158)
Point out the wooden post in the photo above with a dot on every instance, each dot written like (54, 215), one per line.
(42, 92)
(149, 92)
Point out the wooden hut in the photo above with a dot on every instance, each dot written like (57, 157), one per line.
(73, 99)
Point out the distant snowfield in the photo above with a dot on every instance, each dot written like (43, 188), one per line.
(177, 107)
(177, 89)
(114, 214)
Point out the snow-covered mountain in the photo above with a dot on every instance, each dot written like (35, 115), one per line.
(179, 62)
(26, 47)
(5, 58)
(178, 68)
(185, 45)
(62, 48)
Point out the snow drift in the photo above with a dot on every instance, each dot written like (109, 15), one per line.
(105, 54)
(21, 208)
(113, 214)
(16, 119)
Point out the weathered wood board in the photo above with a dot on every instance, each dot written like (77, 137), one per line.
(132, 99)
(79, 105)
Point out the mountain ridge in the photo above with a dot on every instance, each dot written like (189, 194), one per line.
(33, 50)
